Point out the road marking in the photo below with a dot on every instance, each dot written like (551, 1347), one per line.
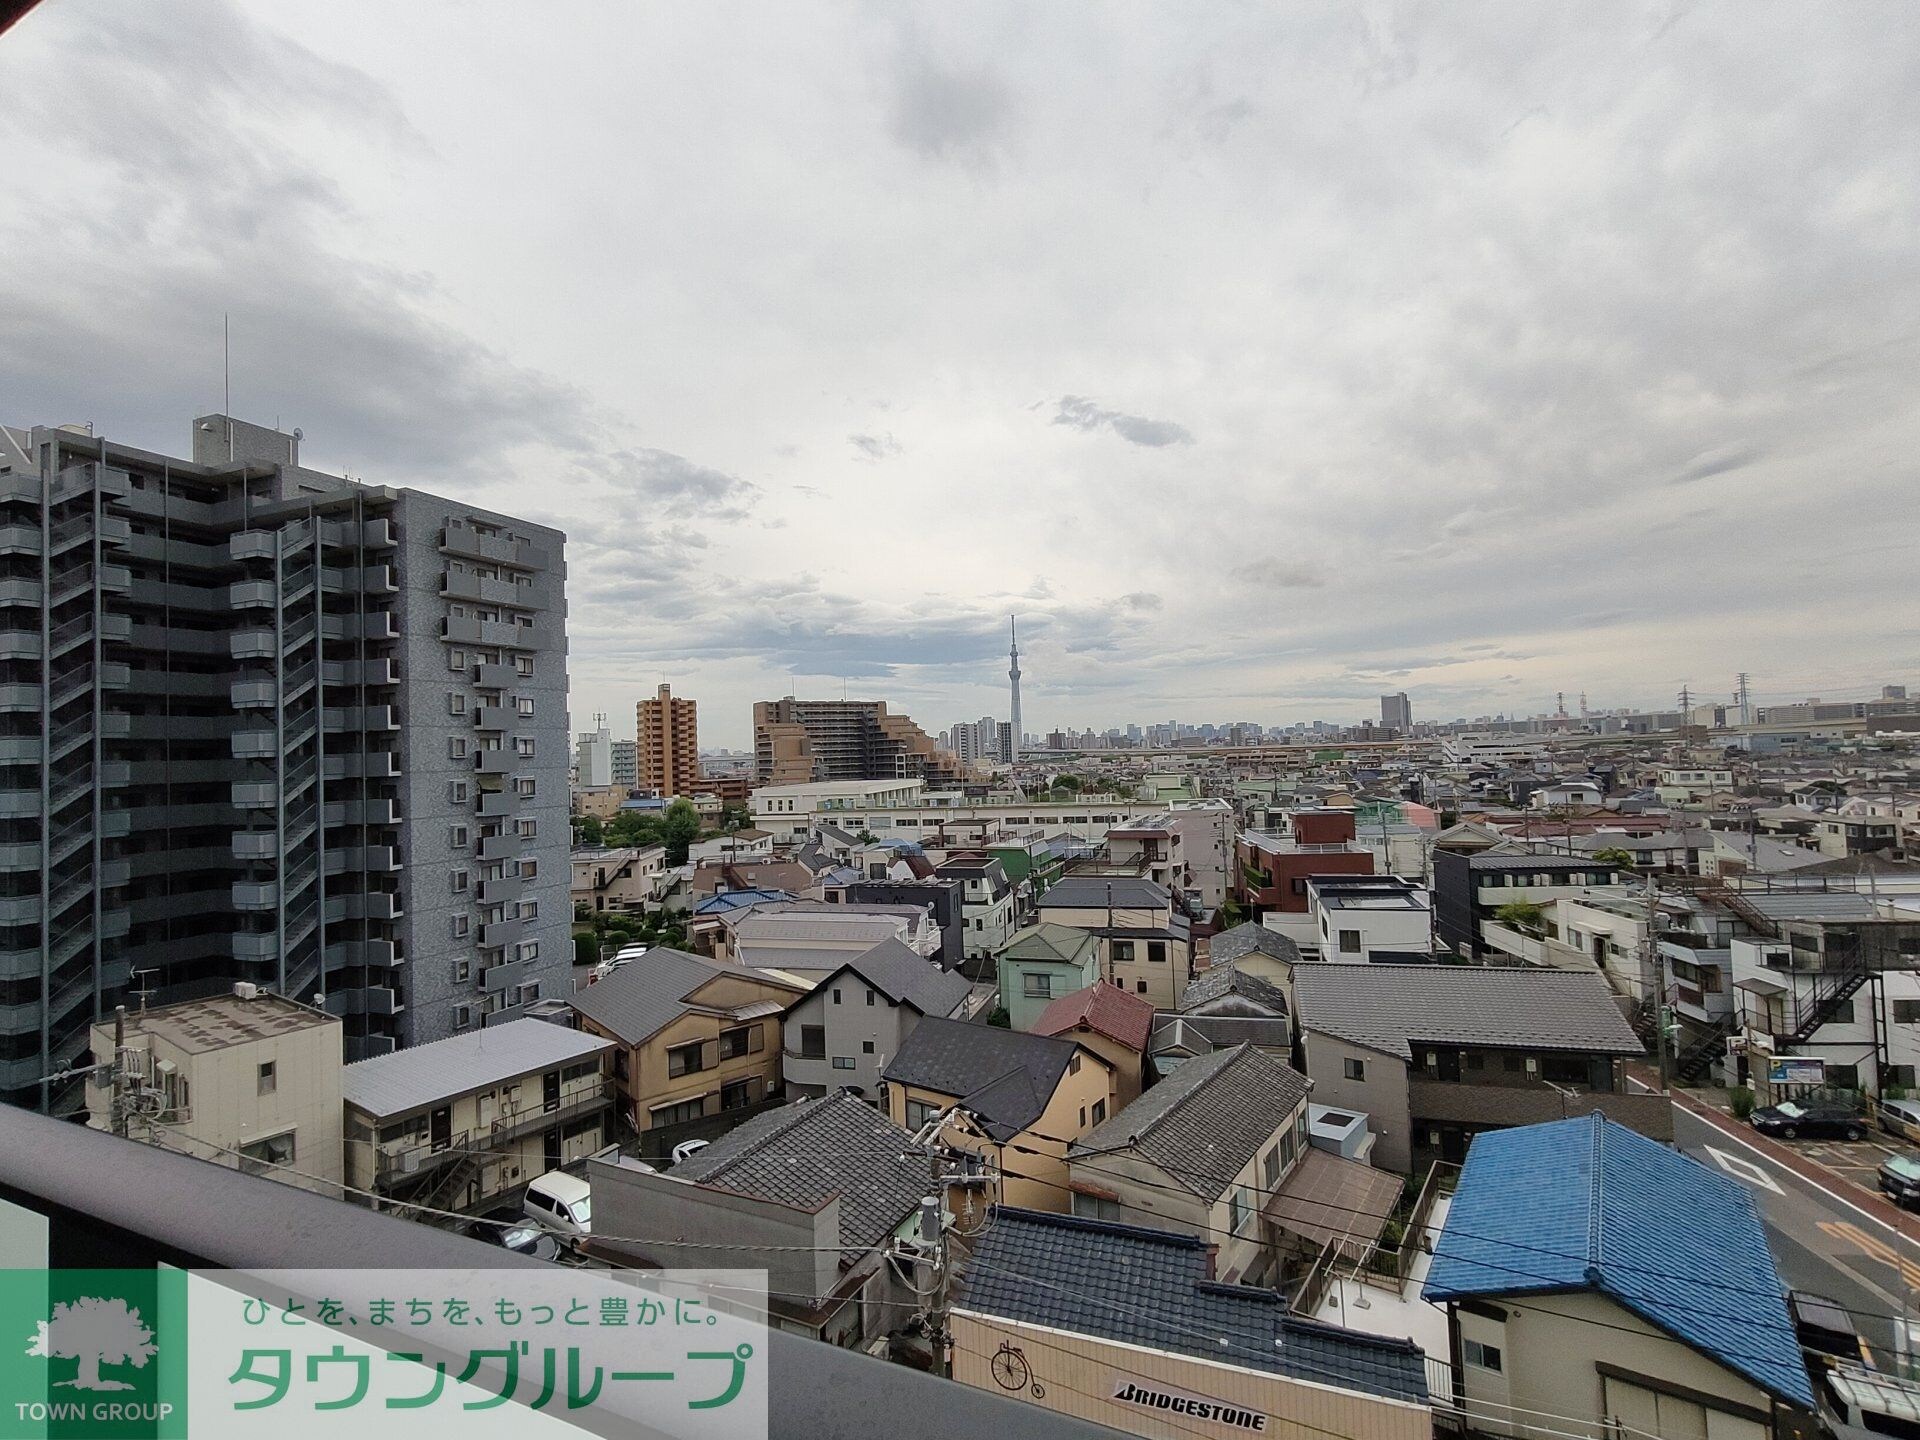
(1873, 1249)
(1743, 1170)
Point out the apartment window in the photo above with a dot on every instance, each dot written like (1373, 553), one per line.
(1356, 1069)
(1481, 1357)
(529, 869)
(1123, 952)
(678, 1114)
(527, 950)
(456, 792)
(459, 926)
(685, 1059)
(463, 1017)
(523, 746)
(526, 829)
(1157, 952)
(456, 660)
(456, 747)
(457, 836)
(1842, 1015)
(1906, 1012)
(1349, 942)
(523, 786)
(457, 881)
(456, 703)
(843, 1062)
(269, 1079)
(524, 704)
(734, 1042)
(462, 971)
(530, 910)
(259, 1156)
(523, 664)
(813, 1042)
(1037, 986)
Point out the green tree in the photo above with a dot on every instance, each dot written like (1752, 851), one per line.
(735, 816)
(679, 828)
(1522, 915)
(1614, 855)
(1067, 782)
(587, 830)
(633, 827)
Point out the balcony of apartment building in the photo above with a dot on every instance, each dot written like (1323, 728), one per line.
(460, 584)
(495, 634)
(465, 540)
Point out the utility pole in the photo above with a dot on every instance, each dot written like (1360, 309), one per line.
(932, 1250)
(117, 1108)
(1659, 961)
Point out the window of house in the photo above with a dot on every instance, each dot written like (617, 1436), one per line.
(685, 1059)
(1036, 985)
(1270, 1167)
(1513, 1064)
(259, 1156)
(919, 1112)
(813, 1042)
(1356, 1069)
(733, 1042)
(1073, 1065)
(1140, 986)
(1842, 1015)
(1157, 951)
(1123, 952)
(736, 1093)
(1349, 942)
(843, 1062)
(678, 1114)
(1099, 1111)
(836, 994)
(866, 1047)
(269, 1079)
(1482, 1357)
(1843, 1077)
(869, 997)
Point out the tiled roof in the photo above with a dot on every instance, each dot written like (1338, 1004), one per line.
(426, 1074)
(1005, 1077)
(1206, 1121)
(1210, 987)
(1045, 942)
(1103, 1007)
(1589, 1205)
(907, 977)
(1251, 938)
(1150, 1288)
(806, 1153)
(1090, 892)
(1201, 1033)
(640, 997)
(1383, 1007)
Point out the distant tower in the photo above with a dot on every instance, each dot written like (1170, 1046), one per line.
(1013, 674)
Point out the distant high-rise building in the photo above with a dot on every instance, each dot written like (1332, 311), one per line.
(275, 726)
(1396, 712)
(593, 756)
(626, 764)
(669, 744)
(1012, 752)
(798, 741)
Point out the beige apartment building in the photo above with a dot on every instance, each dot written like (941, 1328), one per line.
(464, 1121)
(248, 1080)
(668, 748)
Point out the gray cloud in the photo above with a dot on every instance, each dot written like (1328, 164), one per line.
(674, 484)
(1718, 461)
(944, 107)
(874, 447)
(1083, 414)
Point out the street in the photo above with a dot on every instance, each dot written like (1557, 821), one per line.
(1823, 1240)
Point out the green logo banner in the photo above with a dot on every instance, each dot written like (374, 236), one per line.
(93, 1354)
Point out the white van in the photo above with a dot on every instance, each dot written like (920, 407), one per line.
(560, 1201)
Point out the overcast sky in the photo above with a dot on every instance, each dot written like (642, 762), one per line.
(1261, 357)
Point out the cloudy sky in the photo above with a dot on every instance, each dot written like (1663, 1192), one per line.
(1261, 357)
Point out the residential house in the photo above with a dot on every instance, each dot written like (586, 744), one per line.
(844, 1031)
(1470, 890)
(1588, 1274)
(1042, 963)
(1146, 942)
(463, 1122)
(249, 1080)
(623, 878)
(1255, 948)
(1840, 836)
(941, 898)
(1434, 1054)
(815, 1194)
(1689, 784)
(808, 939)
(1020, 1100)
(1167, 1350)
(1200, 1153)
(1274, 868)
(1110, 1022)
(694, 1041)
(712, 877)
(1369, 917)
(1152, 847)
(986, 901)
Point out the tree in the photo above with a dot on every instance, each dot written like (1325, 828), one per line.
(631, 827)
(1066, 782)
(1614, 855)
(735, 816)
(1522, 915)
(679, 828)
(95, 1332)
(587, 830)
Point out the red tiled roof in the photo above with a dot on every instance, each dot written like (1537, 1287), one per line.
(1103, 1007)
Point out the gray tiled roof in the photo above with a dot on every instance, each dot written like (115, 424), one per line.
(1251, 938)
(1383, 1007)
(645, 994)
(907, 977)
(806, 1153)
(1204, 1123)
(1150, 1288)
(1005, 1077)
(1090, 892)
(431, 1074)
(1201, 1033)
(1210, 986)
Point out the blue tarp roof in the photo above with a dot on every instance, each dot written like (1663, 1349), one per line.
(1590, 1205)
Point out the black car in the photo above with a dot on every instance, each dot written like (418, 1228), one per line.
(1900, 1181)
(511, 1230)
(1792, 1118)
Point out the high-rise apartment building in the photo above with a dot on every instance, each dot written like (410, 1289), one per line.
(626, 764)
(1396, 712)
(258, 723)
(593, 757)
(799, 741)
(669, 744)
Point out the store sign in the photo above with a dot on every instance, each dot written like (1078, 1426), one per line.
(1796, 1070)
(1148, 1395)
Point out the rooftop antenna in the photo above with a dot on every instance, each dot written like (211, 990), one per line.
(226, 379)
(145, 990)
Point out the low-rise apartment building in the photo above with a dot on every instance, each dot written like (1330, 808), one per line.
(986, 904)
(1274, 868)
(1469, 890)
(693, 1042)
(462, 1122)
(249, 1080)
(623, 878)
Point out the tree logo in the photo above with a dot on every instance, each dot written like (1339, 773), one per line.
(95, 1331)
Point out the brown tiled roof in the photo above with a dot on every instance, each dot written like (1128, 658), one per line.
(1103, 1007)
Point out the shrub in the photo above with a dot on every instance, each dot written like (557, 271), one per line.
(1742, 1101)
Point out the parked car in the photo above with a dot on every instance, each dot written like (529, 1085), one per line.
(1901, 1118)
(1793, 1118)
(1900, 1181)
(511, 1230)
(560, 1202)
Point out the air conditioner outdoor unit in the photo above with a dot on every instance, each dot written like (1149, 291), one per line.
(245, 990)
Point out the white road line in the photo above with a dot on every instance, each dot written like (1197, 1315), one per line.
(1745, 1170)
(1832, 1195)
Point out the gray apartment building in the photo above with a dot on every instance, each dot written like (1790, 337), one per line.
(261, 723)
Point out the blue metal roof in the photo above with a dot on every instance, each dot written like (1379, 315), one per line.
(727, 900)
(1590, 1205)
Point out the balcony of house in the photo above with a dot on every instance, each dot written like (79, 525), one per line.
(1531, 948)
(1439, 1103)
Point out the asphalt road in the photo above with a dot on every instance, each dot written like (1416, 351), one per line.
(1822, 1242)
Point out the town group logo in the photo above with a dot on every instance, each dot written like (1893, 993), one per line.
(93, 1353)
